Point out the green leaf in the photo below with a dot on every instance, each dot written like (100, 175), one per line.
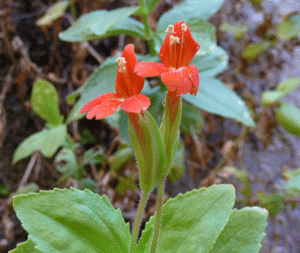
(87, 183)
(65, 161)
(288, 86)
(75, 114)
(238, 30)
(243, 232)
(44, 100)
(125, 183)
(213, 96)
(289, 174)
(212, 63)
(289, 28)
(293, 184)
(150, 5)
(31, 187)
(25, 247)
(288, 116)
(272, 202)
(271, 96)
(193, 221)
(53, 139)
(93, 156)
(191, 118)
(57, 10)
(190, 11)
(178, 167)
(102, 24)
(253, 50)
(72, 221)
(120, 158)
(28, 146)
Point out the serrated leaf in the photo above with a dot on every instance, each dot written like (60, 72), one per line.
(53, 139)
(213, 96)
(243, 232)
(253, 50)
(190, 11)
(289, 28)
(72, 221)
(288, 116)
(25, 247)
(54, 12)
(189, 222)
(44, 100)
(102, 24)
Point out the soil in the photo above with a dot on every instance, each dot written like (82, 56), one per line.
(28, 52)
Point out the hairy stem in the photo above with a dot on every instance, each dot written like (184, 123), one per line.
(137, 222)
(160, 198)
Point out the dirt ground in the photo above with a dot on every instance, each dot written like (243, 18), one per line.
(28, 51)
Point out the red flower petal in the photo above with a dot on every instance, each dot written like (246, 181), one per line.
(128, 83)
(103, 110)
(179, 54)
(98, 100)
(136, 104)
(184, 81)
(149, 69)
(189, 45)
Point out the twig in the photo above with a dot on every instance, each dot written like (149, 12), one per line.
(28, 170)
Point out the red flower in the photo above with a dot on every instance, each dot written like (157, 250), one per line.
(128, 88)
(176, 53)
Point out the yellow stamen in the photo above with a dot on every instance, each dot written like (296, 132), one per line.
(174, 40)
(121, 61)
(170, 29)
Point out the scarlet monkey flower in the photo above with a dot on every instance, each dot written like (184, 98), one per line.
(176, 53)
(128, 88)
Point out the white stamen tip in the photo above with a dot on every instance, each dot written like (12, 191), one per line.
(183, 27)
(170, 29)
(121, 61)
(174, 40)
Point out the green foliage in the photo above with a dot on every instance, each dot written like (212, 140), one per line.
(283, 88)
(53, 13)
(243, 232)
(182, 227)
(238, 30)
(102, 23)
(191, 118)
(289, 27)
(293, 184)
(190, 11)
(44, 100)
(124, 184)
(288, 116)
(72, 221)
(213, 96)
(272, 202)
(46, 141)
(119, 158)
(66, 162)
(253, 50)
(178, 166)
(26, 247)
